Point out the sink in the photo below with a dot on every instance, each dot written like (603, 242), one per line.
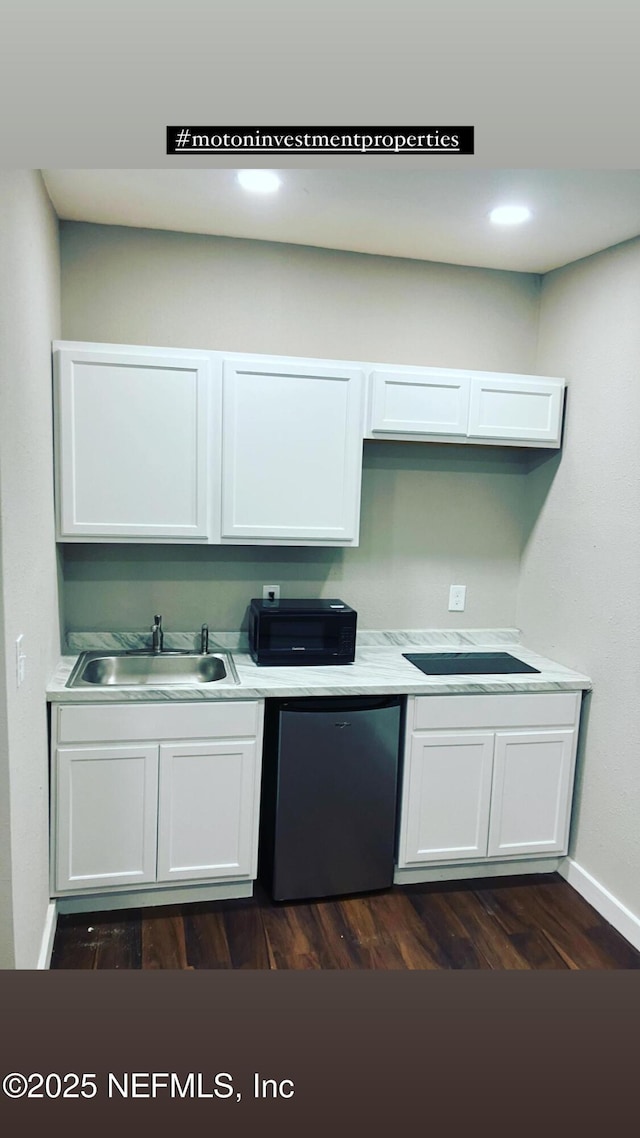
(140, 669)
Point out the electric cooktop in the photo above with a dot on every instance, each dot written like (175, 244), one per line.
(467, 663)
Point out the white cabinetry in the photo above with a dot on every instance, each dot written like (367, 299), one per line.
(107, 805)
(521, 409)
(292, 451)
(134, 446)
(487, 777)
(472, 407)
(128, 813)
(206, 810)
(420, 403)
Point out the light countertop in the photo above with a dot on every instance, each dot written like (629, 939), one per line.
(379, 669)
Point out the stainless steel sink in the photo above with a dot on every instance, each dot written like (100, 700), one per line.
(162, 669)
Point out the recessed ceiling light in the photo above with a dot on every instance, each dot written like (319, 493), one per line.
(259, 181)
(510, 214)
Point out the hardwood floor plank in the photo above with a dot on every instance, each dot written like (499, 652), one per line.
(334, 947)
(532, 923)
(98, 940)
(614, 946)
(206, 943)
(406, 930)
(455, 948)
(289, 932)
(487, 936)
(163, 940)
(74, 944)
(507, 909)
(568, 939)
(244, 930)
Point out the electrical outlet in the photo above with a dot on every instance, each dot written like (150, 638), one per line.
(271, 592)
(457, 597)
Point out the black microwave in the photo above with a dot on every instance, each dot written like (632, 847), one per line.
(302, 632)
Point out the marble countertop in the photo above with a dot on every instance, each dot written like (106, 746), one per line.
(379, 669)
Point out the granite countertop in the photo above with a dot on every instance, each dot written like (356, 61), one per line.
(379, 669)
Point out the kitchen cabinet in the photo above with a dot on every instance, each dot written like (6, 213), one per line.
(144, 794)
(419, 403)
(136, 454)
(184, 446)
(487, 777)
(292, 451)
(526, 410)
(471, 407)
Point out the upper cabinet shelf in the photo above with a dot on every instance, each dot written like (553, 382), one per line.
(184, 446)
(432, 405)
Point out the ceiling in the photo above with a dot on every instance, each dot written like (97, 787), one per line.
(438, 215)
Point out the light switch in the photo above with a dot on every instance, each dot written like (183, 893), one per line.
(21, 661)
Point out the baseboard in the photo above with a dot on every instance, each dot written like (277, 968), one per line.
(609, 907)
(48, 935)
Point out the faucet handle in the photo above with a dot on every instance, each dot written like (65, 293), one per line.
(157, 620)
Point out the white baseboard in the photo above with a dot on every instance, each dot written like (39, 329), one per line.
(48, 935)
(609, 907)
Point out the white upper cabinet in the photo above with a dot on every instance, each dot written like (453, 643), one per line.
(419, 403)
(520, 409)
(134, 443)
(433, 405)
(292, 451)
(172, 445)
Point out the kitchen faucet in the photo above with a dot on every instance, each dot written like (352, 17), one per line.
(157, 635)
(204, 640)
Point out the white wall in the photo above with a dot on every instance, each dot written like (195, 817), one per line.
(431, 515)
(579, 598)
(29, 319)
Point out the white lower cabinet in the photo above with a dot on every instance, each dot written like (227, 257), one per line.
(475, 792)
(106, 816)
(205, 810)
(145, 813)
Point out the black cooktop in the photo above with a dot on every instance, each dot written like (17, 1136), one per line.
(467, 663)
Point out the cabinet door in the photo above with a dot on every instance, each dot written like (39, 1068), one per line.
(446, 796)
(519, 409)
(208, 813)
(107, 799)
(531, 798)
(292, 453)
(429, 403)
(133, 445)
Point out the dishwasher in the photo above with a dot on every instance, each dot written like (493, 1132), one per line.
(329, 795)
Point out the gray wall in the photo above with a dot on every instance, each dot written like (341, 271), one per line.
(29, 319)
(431, 515)
(579, 596)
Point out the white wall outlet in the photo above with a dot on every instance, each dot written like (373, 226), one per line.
(457, 597)
(271, 592)
(21, 661)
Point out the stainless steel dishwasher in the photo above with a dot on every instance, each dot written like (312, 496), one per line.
(329, 795)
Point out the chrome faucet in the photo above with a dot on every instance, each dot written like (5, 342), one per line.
(204, 639)
(157, 635)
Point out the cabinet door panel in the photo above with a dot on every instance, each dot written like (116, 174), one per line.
(133, 445)
(419, 404)
(207, 821)
(292, 453)
(106, 821)
(527, 411)
(446, 796)
(531, 798)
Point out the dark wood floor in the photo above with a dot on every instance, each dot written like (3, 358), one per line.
(513, 923)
